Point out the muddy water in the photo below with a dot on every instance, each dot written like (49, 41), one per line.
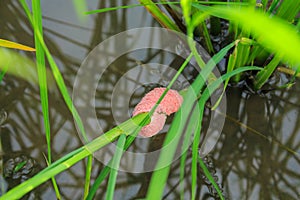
(257, 154)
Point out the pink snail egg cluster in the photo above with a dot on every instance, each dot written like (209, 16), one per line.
(170, 104)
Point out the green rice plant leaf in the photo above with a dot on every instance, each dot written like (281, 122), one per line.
(159, 177)
(104, 172)
(160, 16)
(207, 38)
(262, 77)
(210, 177)
(41, 69)
(273, 5)
(9, 44)
(102, 10)
(3, 72)
(182, 172)
(115, 167)
(288, 10)
(284, 38)
(128, 127)
(61, 85)
(88, 173)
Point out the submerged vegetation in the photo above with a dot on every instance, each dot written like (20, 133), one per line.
(256, 40)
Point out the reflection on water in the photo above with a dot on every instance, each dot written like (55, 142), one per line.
(256, 157)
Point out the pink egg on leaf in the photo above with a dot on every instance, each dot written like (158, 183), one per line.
(170, 104)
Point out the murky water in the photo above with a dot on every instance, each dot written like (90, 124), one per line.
(257, 154)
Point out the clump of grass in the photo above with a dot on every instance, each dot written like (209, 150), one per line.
(250, 39)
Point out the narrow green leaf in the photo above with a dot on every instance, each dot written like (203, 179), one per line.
(131, 138)
(173, 136)
(115, 167)
(3, 72)
(41, 69)
(73, 157)
(288, 46)
(262, 77)
(210, 177)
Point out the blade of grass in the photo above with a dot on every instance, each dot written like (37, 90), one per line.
(73, 157)
(102, 10)
(195, 155)
(63, 89)
(41, 69)
(13, 45)
(88, 173)
(105, 171)
(210, 177)
(3, 72)
(262, 77)
(115, 167)
(288, 10)
(288, 46)
(160, 16)
(181, 175)
(158, 179)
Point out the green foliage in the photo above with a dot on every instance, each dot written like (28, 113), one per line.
(127, 127)
(115, 167)
(251, 41)
(284, 40)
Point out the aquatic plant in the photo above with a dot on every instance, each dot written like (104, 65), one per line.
(249, 42)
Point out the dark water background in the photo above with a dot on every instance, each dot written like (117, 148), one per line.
(256, 157)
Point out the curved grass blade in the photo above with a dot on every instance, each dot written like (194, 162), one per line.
(262, 77)
(41, 69)
(115, 167)
(13, 45)
(64, 163)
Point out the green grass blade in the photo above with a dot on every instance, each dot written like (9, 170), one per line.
(181, 175)
(288, 10)
(115, 167)
(102, 10)
(41, 69)
(73, 157)
(63, 89)
(160, 16)
(262, 77)
(210, 177)
(88, 173)
(9, 44)
(131, 138)
(173, 136)
(3, 72)
(195, 149)
(284, 38)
